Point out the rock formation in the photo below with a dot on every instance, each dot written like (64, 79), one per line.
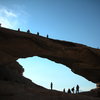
(81, 59)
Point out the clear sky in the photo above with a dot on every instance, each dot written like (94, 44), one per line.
(70, 20)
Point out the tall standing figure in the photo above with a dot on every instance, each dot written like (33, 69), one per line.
(77, 89)
(51, 85)
(64, 90)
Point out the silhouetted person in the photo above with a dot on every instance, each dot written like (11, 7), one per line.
(51, 85)
(38, 33)
(64, 90)
(28, 31)
(69, 91)
(47, 36)
(18, 29)
(0, 24)
(72, 90)
(77, 89)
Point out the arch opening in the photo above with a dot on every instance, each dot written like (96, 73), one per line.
(43, 71)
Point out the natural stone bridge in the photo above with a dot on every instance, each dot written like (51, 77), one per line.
(81, 59)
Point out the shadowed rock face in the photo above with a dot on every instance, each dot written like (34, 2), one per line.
(81, 59)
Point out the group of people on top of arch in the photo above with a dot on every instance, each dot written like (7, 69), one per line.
(28, 31)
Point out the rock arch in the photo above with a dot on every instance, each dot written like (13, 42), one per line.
(81, 59)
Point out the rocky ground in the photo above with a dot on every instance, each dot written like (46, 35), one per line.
(15, 91)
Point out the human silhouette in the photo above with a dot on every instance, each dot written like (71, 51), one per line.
(77, 89)
(18, 29)
(0, 24)
(69, 91)
(51, 85)
(47, 36)
(72, 90)
(64, 90)
(38, 33)
(28, 31)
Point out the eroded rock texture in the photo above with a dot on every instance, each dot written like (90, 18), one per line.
(81, 59)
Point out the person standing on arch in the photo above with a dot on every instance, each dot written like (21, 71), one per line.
(28, 31)
(77, 89)
(18, 29)
(51, 85)
(47, 36)
(37, 33)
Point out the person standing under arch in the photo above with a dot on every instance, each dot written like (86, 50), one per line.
(64, 90)
(0, 24)
(51, 85)
(72, 90)
(77, 89)
(69, 91)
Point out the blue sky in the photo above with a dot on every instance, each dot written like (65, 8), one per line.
(70, 20)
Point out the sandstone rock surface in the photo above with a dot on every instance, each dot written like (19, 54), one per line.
(81, 59)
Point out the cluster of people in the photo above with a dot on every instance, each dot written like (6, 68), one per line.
(73, 90)
(69, 90)
(28, 31)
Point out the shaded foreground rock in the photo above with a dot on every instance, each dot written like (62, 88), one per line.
(16, 91)
(82, 60)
